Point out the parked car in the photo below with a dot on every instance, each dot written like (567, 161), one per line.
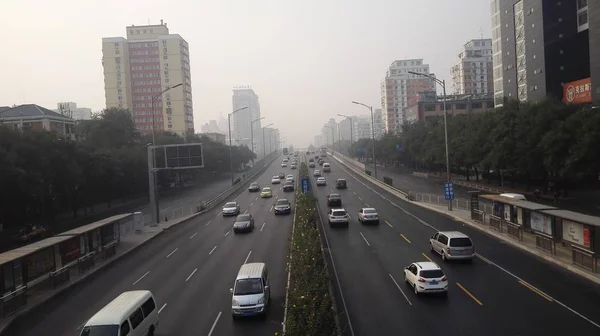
(452, 245)
(338, 217)
(243, 222)
(426, 277)
(340, 183)
(368, 215)
(321, 181)
(231, 209)
(282, 206)
(334, 200)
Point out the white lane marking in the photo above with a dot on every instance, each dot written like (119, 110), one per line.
(190, 276)
(213, 249)
(271, 209)
(170, 254)
(247, 257)
(365, 239)
(354, 193)
(256, 199)
(491, 262)
(219, 214)
(161, 308)
(401, 291)
(140, 279)
(367, 205)
(262, 227)
(194, 235)
(251, 204)
(208, 223)
(360, 198)
(214, 324)
(226, 233)
(245, 212)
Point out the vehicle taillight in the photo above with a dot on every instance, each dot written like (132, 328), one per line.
(444, 278)
(422, 280)
(447, 250)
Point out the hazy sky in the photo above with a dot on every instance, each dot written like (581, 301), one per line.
(307, 60)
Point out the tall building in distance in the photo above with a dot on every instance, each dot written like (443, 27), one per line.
(210, 127)
(472, 74)
(241, 134)
(378, 126)
(71, 110)
(400, 89)
(545, 49)
(140, 67)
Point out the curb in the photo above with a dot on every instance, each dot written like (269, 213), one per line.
(497, 236)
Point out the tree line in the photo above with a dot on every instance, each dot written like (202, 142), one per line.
(530, 144)
(44, 174)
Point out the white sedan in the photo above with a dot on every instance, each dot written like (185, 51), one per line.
(283, 164)
(426, 277)
(368, 215)
(275, 180)
(321, 181)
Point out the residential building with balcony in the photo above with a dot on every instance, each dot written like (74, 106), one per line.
(472, 74)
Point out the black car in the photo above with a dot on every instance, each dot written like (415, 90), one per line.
(254, 186)
(340, 184)
(244, 222)
(288, 186)
(311, 165)
(334, 200)
(282, 206)
(321, 162)
(311, 160)
(281, 176)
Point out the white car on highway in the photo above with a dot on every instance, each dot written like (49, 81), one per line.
(283, 164)
(275, 180)
(368, 215)
(338, 217)
(231, 209)
(321, 181)
(426, 277)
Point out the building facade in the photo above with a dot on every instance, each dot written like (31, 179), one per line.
(241, 133)
(271, 141)
(210, 127)
(214, 136)
(472, 74)
(141, 66)
(539, 47)
(399, 89)
(36, 118)
(427, 110)
(379, 127)
(71, 110)
(362, 127)
(346, 129)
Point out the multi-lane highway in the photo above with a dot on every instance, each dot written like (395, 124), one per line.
(189, 269)
(503, 292)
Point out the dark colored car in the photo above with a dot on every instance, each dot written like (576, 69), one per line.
(244, 222)
(283, 206)
(311, 165)
(321, 162)
(288, 186)
(254, 187)
(340, 184)
(334, 200)
(311, 160)
(282, 176)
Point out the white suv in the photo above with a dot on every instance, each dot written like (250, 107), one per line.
(338, 216)
(426, 277)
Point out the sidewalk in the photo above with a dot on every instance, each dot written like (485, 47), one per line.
(42, 292)
(562, 257)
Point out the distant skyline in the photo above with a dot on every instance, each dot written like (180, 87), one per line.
(305, 60)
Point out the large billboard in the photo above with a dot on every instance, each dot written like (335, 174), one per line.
(577, 92)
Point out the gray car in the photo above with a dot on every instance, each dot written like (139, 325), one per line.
(452, 245)
(231, 209)
(243, 223)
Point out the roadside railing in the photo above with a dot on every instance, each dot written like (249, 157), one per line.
(459, 203)
(13, 301)
(478, 187)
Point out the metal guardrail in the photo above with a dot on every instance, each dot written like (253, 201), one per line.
(86, 262)
(13, 301)
(479, 187)
(60, 276)
(459, 203)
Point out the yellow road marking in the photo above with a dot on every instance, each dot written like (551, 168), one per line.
(426, 257)
(388, 223)
(535, 290)
(469, 294)
(408, 241)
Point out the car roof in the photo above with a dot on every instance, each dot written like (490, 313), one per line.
(267, 188)
(341, 179)
(334, 195)
(454, 234)
(427, 265)
(250, 270)
(283, 199)
(363, 209)
(231, 202)
(339, 209)
(119, 308)
(321, 178)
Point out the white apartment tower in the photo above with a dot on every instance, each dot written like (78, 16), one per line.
(140, 67)
(472, 74)
(400, 89)
(244, 96)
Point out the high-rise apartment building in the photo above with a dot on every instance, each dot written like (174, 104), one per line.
(346, 129)
(541, 48)
(472, 74)
(378, 127)
(400, 89)
(244, 96)
(140, 67)
(362, 127)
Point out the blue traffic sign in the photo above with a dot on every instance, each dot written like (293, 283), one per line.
(448, 190)
(305, 186)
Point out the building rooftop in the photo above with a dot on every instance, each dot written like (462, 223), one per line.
(28, 110)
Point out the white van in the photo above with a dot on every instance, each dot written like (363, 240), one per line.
(326, 167)
(130, 314)
(514, 196)
(251, 292)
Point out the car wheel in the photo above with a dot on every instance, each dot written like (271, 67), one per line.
(430, 247)
(415, 289)
(444, 257)
(405, 278)
(151, 331)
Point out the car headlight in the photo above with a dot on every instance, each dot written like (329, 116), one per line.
(234, 303)
(261, 300)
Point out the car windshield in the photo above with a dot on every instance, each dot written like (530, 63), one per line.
(321, 179)
(101, 330)
(248, 287)
(254, 184)
(460, 242)
(283, 202)
(339, 213)
(431, 274)
(334, 196)
(275, 177)
(369, 211)
(230, 205)
(266, 189)
(243, 218)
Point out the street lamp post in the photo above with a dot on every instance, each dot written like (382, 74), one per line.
(351, 127)
(252, 135)
(152, 173)
(442, 83)
(372, 134)
(229, 126)
(263, 135)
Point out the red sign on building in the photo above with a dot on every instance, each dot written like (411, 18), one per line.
(578, 92)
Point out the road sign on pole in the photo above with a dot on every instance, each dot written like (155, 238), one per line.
(184, 156)
(449, 191)
(305, 186)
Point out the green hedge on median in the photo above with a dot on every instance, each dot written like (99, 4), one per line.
(309, 307)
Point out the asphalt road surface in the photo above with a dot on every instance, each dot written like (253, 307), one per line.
(189, 269)
(504, 291)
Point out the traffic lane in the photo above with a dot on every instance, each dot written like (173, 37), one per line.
(374, 303)
(271, 246)
(470, 285)
(513, 262)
